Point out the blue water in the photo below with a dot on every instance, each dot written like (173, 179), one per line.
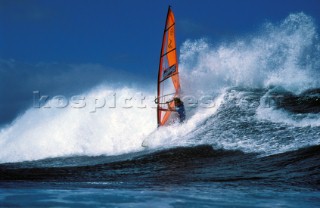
(169, 197)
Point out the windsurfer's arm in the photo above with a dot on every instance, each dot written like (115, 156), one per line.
(169, 107)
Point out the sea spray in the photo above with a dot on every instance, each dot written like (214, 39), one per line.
(285, 54)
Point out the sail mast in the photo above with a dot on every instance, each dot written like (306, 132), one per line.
(160, 67)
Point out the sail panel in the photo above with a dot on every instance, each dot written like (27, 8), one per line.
(168, 77)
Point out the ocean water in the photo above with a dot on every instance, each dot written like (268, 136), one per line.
(251, 139)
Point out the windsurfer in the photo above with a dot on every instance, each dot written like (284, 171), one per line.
(179, 108)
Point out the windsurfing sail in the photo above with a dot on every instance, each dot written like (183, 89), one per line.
(168, 74)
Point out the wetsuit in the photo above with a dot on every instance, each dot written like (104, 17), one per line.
(181, 112)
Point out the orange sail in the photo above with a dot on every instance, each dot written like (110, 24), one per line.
(168, 76)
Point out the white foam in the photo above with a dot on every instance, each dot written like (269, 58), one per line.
(55, 132)
(42, 132)
(285, 54)
(268, 112)
(182, 134)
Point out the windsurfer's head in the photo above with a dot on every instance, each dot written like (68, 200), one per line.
(177, 101)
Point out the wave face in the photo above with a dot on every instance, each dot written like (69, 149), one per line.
(243, 114)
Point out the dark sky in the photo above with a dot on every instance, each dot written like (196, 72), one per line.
(64, 46)
(125, 34)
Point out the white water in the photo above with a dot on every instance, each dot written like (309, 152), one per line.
(285, 54)
(268, 111)
(54, 132)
